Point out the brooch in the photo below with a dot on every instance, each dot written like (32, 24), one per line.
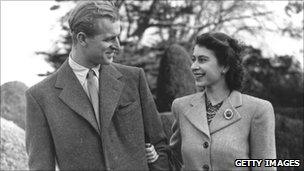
(228, 114)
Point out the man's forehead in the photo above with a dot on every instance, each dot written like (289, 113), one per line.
(107, 25)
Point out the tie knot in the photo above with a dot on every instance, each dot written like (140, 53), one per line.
(91, 74)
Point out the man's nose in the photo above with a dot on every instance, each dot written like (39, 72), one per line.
(115, 45)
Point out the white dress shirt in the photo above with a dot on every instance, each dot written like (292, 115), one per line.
(81, 73)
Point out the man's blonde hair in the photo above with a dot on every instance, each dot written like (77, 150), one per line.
(83, 17)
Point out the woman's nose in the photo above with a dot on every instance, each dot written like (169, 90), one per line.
(194, 66)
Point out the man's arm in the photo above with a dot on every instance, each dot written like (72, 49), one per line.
(154, 132)
(39, 143)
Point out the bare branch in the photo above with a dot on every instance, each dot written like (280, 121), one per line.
(231, 19)
(129, 18)
(143, 23)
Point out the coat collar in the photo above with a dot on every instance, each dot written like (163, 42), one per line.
(110, 88)
(197, 113)
(74, 96)
(229, 105)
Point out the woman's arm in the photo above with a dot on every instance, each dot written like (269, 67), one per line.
(262, 134)
(175, 141)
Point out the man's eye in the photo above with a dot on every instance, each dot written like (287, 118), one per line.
(110, 39)
(107, 40)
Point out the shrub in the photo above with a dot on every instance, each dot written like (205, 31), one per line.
(13, 102)
(175, 78)
(289, 139)
(13, 155)
(292, 112)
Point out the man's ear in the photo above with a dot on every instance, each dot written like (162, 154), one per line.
(81, 38)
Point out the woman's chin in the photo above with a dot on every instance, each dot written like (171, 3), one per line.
(200, 84)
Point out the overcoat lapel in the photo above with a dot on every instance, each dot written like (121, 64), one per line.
(110, 88)
(197, 113)
(74, 96)
(230, 104)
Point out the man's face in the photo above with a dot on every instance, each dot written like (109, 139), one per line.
(103, 47)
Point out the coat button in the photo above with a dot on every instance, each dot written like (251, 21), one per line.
(206, 167)
(206, 144)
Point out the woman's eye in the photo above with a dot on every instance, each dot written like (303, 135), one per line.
(201, 60)
(193, 58)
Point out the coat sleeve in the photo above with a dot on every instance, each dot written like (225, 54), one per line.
(39, 143)
(175, 141)
(262, 134)
(154, 132)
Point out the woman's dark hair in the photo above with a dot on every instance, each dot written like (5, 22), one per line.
(228, 53)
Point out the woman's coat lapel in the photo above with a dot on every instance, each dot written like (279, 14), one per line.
(196, 113)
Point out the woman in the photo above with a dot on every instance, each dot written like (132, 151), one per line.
(215, 127)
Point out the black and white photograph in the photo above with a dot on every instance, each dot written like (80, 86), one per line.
(159, 85)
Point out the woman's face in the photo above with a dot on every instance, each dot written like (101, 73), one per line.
(205, 67)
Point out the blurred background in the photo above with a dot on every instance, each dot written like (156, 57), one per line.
(157, 35)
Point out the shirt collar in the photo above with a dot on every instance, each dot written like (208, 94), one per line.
(82, 71)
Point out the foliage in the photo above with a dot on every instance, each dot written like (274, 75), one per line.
(278, 79)
(144, 58)
(289, 140)
(179, 21)
(167, 119)
(12, 149)
(13, 102)
(172, 22)
(289, 137)
(175, 78)
(291, 112)
(293, 7)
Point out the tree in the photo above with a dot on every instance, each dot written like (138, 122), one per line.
(278, 79)
(172, 22)
(179, 22)
(175, 78)
(293, 7)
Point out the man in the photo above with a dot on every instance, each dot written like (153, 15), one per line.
(92, 114)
